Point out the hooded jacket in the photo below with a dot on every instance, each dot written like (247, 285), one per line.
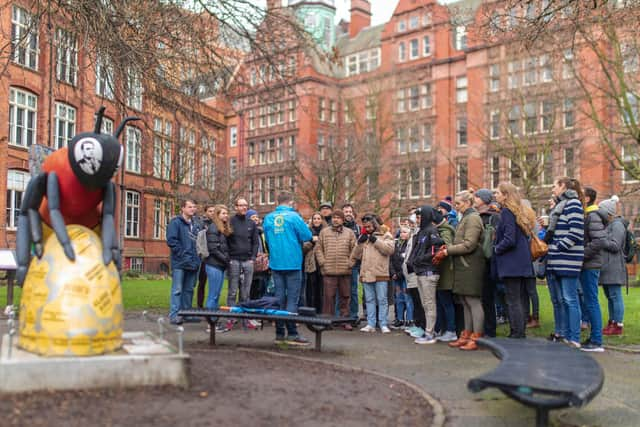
(595, 235)
(566, 250)
(218, 249)
(181, 239)
(425, 244)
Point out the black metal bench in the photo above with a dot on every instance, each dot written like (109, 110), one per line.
(317, 324)
(541, 374)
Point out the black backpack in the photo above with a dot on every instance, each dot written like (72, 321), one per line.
(630, 246)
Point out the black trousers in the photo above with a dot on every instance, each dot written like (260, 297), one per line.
(516, 296)
(314, 290)
(489, 306)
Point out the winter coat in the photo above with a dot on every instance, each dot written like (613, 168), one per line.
(511, 248)
(595, 235)
(181, 239)
(447, 233)
(469, 263)
(218, 248)
(425, 244)
(244, 241)
(398, 257)
(333, 251)
(375, 257)
(614, 270)
(566, 249)
(309, 249)
(411, 278)
(285, 232)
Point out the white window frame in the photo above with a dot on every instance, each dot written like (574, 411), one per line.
(494, 77)
(628, 158)
(133, 143)
(64, 124)
(426, 46)
(233, 136)
(136, 264)
(132, 215)
(427, 181)
(17, 182)
(134, 90)
(414, 49)
(427, 136)
(401, 26)
(66, 56)
(426, 95)
(462, 129)
(24, 44)
(494, 124)
(462, 95)
(402, 52)
(566, 111)
(401, 103)
(27, 109)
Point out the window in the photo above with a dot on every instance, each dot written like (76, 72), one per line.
(374, 59)
(401, 141)
(263, 116)
(547, 116)
(292, 147)
(425, 92)
(402, 52)
(351, 65)
(262, 188)
(158, 220)
(629, 107)
(415, 142)
(23, 109)
(494, 78)
(530, 71)
(414, 21)
(233, 136)
(569, 165)
(426, 182)
(262, 152)
(132, 214)
(65, 125)
(273, 111)
(252, 119)
(16, 186)
(495, 171)
(321, 108)
(233, 167)
(567, 64)
(514, 121)
(494, 125)
(107, 126)
(66, 56)
(546, 69)
(370, 108)
(402, 26)
(251, 148)
(104, 78)
(134, 149)
(629, 157)
(461, 37)
(515, 170)
(426, 19)
(280, 150)
(280, 106)
(414, 183)
(321, 147)
(426, 46)
(461, 89)
(400, 103)
(134, 90)
(461, 131)
(569, 116)
(414, 49)
(402, 184)
(136, 264)
(547, 168)
(272, 190)
(414, 98)
(24, 38)
(292, 110)
(208, 167)
(462, 175)
(363, 62)
(530, 118)
(427, 137)
(348, 112)
(513, 80)
(332, 111)
(162, 148)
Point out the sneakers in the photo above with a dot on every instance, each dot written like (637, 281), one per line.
(614, 328)
(221, 329)
(555, 338)
(574, 344)
(417, 332)
(592, 347)
(178, 320)
(397, 324)
(297, 340)
(425, 339)
(533, 322)
(347, 327)
(229, 325)
(368, 329)
(448, 336)
(385, 330)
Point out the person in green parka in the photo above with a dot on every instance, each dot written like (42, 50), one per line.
(469, 267)
(446, 320)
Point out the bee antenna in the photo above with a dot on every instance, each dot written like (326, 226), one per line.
(124, 122)
(99, 115)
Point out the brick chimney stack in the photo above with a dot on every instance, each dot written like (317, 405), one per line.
(274, 4)
(360, 16)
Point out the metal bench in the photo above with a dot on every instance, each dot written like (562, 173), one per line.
(541, 374)
(317, 324)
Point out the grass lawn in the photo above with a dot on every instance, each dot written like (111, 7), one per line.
(154, 294)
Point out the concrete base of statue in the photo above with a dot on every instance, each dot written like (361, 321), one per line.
(144, 360)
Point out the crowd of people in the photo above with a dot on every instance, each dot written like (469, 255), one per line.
(452, 271)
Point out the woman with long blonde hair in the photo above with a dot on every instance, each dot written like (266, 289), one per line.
(513, 256)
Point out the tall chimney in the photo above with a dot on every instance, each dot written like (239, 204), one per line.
(273, 4)
(360, 16)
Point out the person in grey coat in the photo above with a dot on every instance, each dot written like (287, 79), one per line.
(614, 272)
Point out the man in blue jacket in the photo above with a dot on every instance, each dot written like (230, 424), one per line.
(185, 262)
(285, 232)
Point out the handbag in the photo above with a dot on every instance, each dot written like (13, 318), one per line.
(538, 247)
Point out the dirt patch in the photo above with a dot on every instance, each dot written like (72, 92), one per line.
(231, 387)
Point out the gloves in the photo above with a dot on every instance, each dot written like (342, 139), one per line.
(372, 238)
(363, 238)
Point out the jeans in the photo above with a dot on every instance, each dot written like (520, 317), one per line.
(616, 304)
(376, 291)
(589, 282)
(216, 279)
(404, 303)
(235, 268)
(446, 320)
(570, 305)
(556, 301)
(583, 308)
(287, 285)
(515, 290)
(182, 284)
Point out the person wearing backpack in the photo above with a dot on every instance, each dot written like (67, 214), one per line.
(218, 259)
(490, 220)
(614, 271)
(513, 256)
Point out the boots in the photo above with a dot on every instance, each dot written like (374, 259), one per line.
(533, 322)
(607, 329)
(616, 329)
(464, 338)
(471, 345)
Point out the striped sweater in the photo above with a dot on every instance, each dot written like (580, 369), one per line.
(566, 250)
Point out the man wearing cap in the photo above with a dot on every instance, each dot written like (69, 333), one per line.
(325, 211)
(243, 248)
(446, 209)
(333, 253)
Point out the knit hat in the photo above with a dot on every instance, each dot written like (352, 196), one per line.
(610, 205)
(251, 212)
(445, 205)
(338, 213)
(326, 205)
(485, 195)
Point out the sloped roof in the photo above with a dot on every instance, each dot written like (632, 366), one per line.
(463, 10)
(367, 38)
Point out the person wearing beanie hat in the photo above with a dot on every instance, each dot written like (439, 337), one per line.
(251, 213)
(446, 208)
(325, 211)
(485, 195)
(445, 205)
(610, 205)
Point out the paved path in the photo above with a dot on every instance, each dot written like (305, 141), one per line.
(443, 373)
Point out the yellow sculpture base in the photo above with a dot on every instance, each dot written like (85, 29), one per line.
(71, 308)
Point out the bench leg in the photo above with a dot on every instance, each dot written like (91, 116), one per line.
(542, 417)
(212, 332)
(318, 340)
